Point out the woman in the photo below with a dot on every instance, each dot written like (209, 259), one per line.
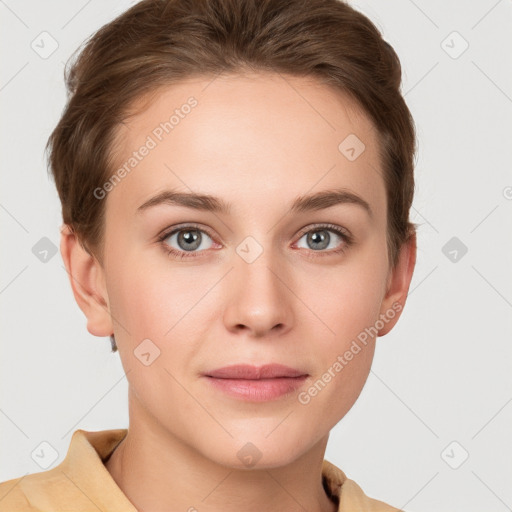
(235, 178)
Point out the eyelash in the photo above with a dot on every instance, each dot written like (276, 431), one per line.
(344, 235)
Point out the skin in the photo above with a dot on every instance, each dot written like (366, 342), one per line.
(258, 142)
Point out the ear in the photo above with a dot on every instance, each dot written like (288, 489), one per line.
(87, 280)
(398, 283)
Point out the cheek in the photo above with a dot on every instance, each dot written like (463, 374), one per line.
(348, 307)
(163, 305)
(348, 302)
(154, 307)
(150, 300)
(347, 299)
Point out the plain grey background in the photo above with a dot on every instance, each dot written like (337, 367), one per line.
(431, 429)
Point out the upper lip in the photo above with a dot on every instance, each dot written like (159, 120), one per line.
(247, 371)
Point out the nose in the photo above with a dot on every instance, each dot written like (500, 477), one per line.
(259, 297)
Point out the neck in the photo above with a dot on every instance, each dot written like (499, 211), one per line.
(158, 471)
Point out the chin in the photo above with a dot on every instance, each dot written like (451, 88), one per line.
(250, 451)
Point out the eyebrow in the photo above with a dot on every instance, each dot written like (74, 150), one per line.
(205, 202)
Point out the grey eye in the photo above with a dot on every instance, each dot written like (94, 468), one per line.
(188, 239)
(319, 239)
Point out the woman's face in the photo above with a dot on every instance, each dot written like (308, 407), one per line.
(258, 282)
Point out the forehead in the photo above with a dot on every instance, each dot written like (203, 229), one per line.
(256, 135)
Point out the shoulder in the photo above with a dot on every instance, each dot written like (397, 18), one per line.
(79, 480)
(349, 495)
(13, 497)
(358, 500)
(59, 488)
(45, 491)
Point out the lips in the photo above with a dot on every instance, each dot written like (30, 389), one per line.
(249, 372)
(256, 383)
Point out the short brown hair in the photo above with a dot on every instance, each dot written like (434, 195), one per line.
(160, 42)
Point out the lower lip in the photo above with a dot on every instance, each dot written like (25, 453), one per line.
(261, 390)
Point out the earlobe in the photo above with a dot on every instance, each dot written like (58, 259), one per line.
(86, 277)
(398, 285)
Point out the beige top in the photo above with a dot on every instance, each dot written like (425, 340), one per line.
(82, 483)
